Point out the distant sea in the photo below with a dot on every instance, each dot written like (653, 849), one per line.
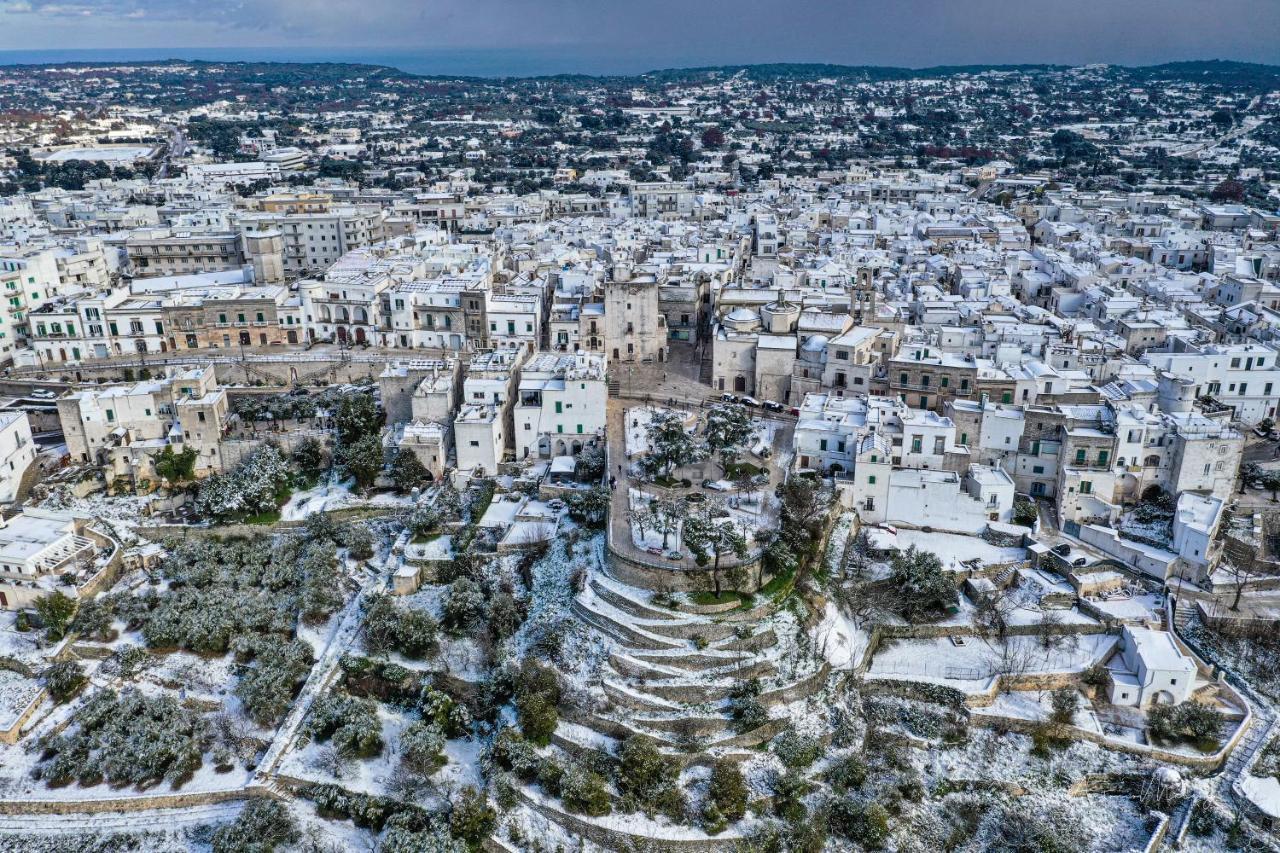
(526, 62)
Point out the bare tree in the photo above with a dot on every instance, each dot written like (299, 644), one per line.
(330, 760)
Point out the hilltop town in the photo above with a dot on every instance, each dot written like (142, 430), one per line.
(768, 458)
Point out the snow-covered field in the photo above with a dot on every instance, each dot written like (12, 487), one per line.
(971, 666)
(954, 549)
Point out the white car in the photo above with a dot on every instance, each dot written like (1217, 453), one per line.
(43, 394)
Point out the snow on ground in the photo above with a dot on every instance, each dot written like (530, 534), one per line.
(1144, 607)
(971, 666)
(638, 426)
(367, 775)
(327, 497)
(1263, 791)
(839, 640)
(954, 549)
(16, 695)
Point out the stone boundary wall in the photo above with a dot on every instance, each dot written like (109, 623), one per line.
(612, 839)
(1205, 764)
(136, 803)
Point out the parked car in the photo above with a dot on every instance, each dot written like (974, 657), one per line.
(772, 406)
(1062, 550)
(43, 394)
(674, 555)
(1079, 561)
(714, 485)
(749, 401)
(728, 398)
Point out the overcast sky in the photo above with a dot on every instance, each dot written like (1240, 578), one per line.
(678, 32)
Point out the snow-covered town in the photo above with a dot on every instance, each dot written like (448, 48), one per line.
(787, 458)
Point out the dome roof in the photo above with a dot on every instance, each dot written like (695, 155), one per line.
(816, 343)
(743, 315)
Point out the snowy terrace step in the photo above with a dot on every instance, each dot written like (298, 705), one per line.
(766, 639)
(634, 666)
(659, 629)
(707, 659)
(626, 602)
(635, 699)
(619, 631)
(628, 832)
(705, 687)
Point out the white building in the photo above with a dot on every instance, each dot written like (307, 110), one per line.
(17, 452)
(561, 404)
(1154, 670)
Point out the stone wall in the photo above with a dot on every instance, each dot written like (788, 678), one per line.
(125, 803)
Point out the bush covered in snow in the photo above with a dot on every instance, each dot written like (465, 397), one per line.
(796, 751)
(925, 592)
(125, 739)
(646, 778)
(584, 791)
(537, 693)
(263, 827)
(726, 800)
(422, 747)
(64, 680)
(271, 672)
(471, 818)
(388, 627)
(350, 724)
(258, 485)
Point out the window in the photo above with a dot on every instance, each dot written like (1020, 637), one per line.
(111, 415)
(944, 382)
(1086, 487)
(964, 439)
(1102, 457)
(559, 407)
(200, 417)
(1037, 469)
(964, 384)
(822, 444)
(1080, 456)
(902, 379)
(871, 481)
(916, 443)
(1006, 397)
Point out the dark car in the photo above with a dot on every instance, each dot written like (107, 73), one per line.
(771, 406)
(1062, 550)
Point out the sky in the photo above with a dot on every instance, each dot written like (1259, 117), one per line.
(646, 34)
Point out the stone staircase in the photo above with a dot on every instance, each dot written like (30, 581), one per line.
(669, 674)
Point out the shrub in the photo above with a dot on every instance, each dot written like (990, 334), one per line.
(537, 695)
(647, 778)
(407, 471)
(584, 791)
(358, 539)
(64, 680)
(849, 772)
(1064, 701)
(864, 823)
(512, 752)
(789, 790)
(93, 621)
(726, 800)
(351, 724)
(125, 739)
(270, 675)
(472, 819)
(422, 747)
(390, 627)
(463, 607)
(795, 750)
(748, 714)
(262, 826)
(55, 611)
